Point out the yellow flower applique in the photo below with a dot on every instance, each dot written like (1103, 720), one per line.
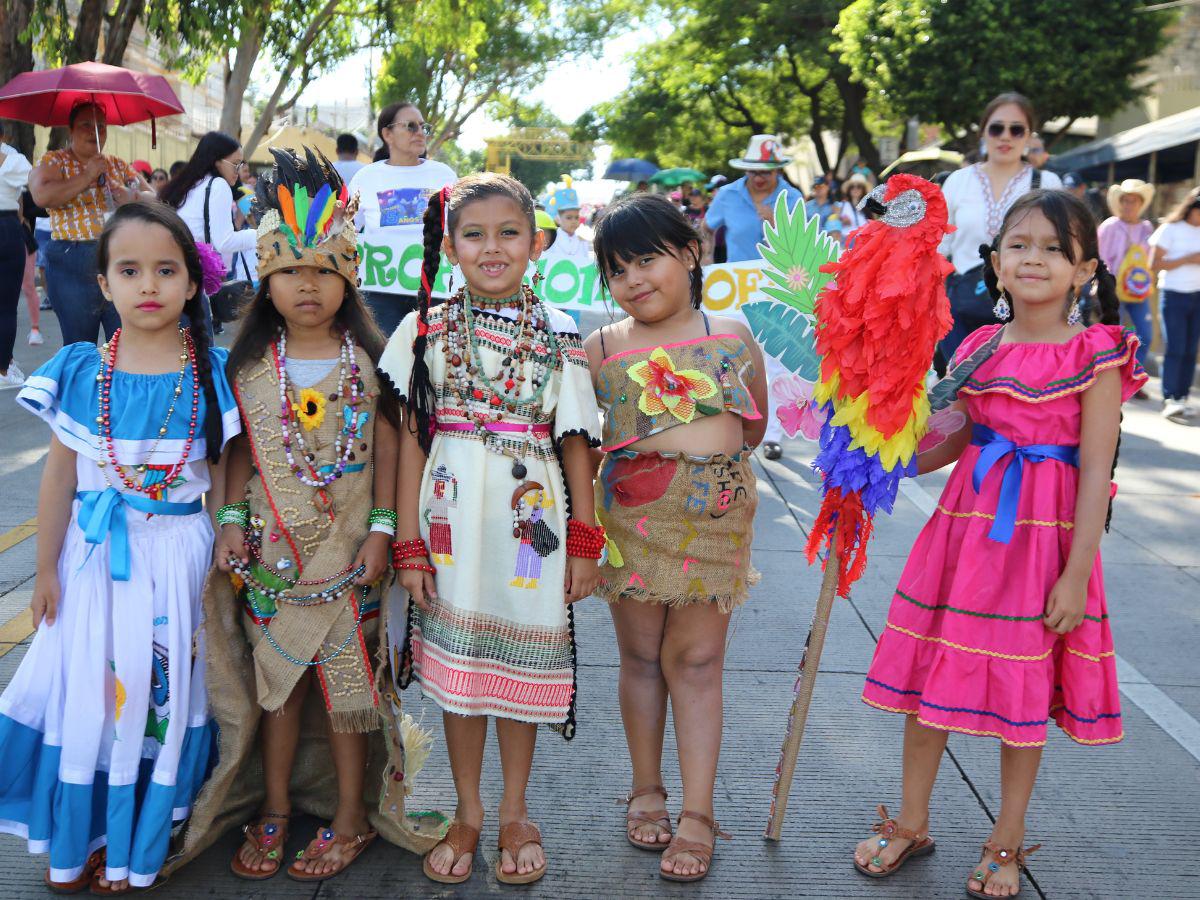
(310, 411)
(667, 389)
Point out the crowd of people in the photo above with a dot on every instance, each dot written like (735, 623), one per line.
(407, 489)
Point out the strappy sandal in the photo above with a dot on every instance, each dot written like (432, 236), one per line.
(1001, 856)
(268, 839)
(513, 837)
(702, 852)
(94, 862)
(321, 844)
(660, 818)
(462, 839)
(889, 830)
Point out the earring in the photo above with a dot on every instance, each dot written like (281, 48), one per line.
(450, 283)
(1075, 316)
(1001, 310)
(538, 278)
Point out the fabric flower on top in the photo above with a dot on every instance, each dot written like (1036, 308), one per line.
(310, 411)
(667, 389)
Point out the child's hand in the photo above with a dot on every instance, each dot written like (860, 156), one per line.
(582, 577)
(376, 555)
(1066, 604)
(420, 585)
(231, 542)
(44, 605)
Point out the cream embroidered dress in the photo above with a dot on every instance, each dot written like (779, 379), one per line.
(498, 639)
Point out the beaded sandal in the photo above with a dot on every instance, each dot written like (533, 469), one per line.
(889, 830)
(325, 840)
(1001, 856)
(659, 818)
(462, 839)
(268, 839)
(702, 852)
(513, 837)
(94, 862)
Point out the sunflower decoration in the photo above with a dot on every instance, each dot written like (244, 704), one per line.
(667, 389)
(310, 411)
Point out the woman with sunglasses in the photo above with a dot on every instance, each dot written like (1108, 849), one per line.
(977, 197)
(393, 192)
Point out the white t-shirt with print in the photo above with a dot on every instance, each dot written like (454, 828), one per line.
(1178, 239)
(395, 197)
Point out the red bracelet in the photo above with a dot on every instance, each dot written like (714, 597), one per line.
(585, 541)
(417, 567)
(402, 550)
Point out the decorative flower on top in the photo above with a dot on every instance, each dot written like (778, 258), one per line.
(310, 411)
(667, 389)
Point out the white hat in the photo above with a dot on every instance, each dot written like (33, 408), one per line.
(1129, 186)
(763, 153)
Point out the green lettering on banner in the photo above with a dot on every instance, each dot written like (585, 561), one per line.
(562, 268)
(589, 284)
(377, 260)
(409, 284)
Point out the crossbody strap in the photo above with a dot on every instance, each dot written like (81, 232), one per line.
(207, 195)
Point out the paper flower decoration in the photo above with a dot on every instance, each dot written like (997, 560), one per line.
(213, 267)
(942, 424)
(310, 411)
(796, 411)
(667, 389)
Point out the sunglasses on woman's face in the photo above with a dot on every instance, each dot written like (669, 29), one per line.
(997, 129)
(413, 127)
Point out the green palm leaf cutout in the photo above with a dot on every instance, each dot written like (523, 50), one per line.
(794, 251)
(787, 335)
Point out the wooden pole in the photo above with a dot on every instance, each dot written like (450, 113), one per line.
(806, 679)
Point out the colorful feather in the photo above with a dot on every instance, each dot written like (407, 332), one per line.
(300, 192)
(287, 211)
(319, 215)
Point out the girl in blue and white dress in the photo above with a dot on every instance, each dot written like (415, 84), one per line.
(104, 731)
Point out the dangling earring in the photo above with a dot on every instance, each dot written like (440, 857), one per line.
(1075, 315)
(450, 282)
(1001, 310)
(538, 278)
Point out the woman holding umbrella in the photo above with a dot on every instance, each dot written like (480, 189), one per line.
(79, 186)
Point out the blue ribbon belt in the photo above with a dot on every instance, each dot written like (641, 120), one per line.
(101, 515)
(994, 448)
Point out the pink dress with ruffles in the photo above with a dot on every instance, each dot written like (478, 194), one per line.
(964, 647)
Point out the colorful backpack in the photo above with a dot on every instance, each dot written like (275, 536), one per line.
(1135, 281)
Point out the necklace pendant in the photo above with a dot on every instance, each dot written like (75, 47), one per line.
(518, 470)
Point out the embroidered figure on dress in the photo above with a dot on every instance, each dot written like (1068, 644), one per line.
(437, 516)
(537, 540)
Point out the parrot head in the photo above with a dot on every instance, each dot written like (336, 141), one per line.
(909, 201)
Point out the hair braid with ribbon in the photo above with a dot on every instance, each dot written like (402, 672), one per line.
(421, 398)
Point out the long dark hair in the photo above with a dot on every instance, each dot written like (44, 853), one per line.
(1073, 224)
(214, 146)
(153, 213)
(446, 206)
(643, 224)
(1190, 201)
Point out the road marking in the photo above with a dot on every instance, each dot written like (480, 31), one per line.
(14, 536)
(1162, 710)
(16, 629)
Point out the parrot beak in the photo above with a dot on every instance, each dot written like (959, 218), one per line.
(873, 207)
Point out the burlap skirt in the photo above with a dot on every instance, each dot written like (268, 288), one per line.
(679, 527)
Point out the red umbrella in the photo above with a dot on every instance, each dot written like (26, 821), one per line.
(47, 98)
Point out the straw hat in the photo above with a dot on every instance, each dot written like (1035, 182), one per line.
(1129, 186)
(762, 154)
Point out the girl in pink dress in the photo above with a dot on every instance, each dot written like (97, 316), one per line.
(999, 622)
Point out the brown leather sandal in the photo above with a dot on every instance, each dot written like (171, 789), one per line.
(659, 818)
(462, 839)
(1001, 856)
(702, 852)
(268, 839)
(513, 837)
(889, 830)
(94, 862)
(321, 844)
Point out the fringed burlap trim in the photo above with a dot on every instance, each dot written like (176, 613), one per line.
(726, 603)
(354, 721)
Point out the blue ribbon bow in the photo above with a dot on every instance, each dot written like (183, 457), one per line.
(994, 448)
(102, 514)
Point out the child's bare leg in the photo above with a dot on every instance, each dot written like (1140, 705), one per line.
(465, 736)
(1018, 772)
(923, 749)
(349, 751)
(279, 734)
(693, 661)
(642, 691)
(517, 741)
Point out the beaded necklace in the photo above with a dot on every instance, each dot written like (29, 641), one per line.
(484, 398)
(108, 364)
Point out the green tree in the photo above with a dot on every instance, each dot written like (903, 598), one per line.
(942, 62)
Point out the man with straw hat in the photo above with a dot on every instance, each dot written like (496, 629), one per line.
(1125, 250)
(744, 207)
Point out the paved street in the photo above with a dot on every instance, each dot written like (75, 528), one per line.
(1114, 821)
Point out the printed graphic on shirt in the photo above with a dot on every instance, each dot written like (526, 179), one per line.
(402, 206)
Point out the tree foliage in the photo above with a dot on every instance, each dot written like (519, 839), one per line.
(942, 62)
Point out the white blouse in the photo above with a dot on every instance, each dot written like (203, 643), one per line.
(14, 175)
(224, 239)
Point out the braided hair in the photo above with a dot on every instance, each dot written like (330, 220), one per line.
(441, 216)
(644, 225)
(193, 308)
(1074, 224)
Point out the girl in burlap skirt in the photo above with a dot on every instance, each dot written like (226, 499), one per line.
(681, 394)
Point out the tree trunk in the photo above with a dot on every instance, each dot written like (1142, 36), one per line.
(816, 120)
(87, 32)
(120, 29)
(854, 99)
(16, 56)
(318, 22)
(249, 45)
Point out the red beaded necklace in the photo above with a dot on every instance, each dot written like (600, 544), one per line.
(108, 364)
